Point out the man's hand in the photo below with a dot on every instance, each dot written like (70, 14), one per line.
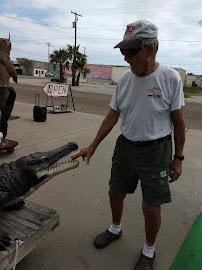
(175, 170)
(85, 153)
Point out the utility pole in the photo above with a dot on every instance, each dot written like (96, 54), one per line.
(75, 33)
(75, 25)
(48, 44)
(84, 50)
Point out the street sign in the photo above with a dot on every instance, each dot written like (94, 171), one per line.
(56, 90)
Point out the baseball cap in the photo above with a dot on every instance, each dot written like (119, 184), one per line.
(141, 29)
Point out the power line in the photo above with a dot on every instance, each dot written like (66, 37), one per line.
(58, 27)
(22, 20)
(113, 39)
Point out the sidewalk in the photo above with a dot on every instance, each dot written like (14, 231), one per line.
(80, 197)
(194, 99)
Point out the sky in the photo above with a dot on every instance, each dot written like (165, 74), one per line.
(35, 23)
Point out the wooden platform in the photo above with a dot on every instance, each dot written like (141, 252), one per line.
(31, 224)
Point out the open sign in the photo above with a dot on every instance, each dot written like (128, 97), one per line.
(56, 89)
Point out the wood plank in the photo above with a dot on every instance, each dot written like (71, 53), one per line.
(18, 224)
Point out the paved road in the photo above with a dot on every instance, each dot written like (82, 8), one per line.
(97, 103)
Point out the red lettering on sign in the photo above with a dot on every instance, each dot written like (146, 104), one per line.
(130, 29)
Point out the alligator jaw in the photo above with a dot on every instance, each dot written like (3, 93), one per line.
(34, 170)
(62, 165)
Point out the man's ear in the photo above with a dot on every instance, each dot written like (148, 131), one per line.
(150, 50)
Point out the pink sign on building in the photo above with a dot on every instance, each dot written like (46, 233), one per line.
(100, 71)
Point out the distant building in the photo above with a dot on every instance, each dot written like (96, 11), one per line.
(111, 72)
(103, 72)
(18, 68)
(40, 68)
(38, 72)
(117, 71)
(193, 80)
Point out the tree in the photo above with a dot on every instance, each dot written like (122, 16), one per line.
(27, 64)
(71, 55)
(78, 65)
(85, 72)
(59, 57)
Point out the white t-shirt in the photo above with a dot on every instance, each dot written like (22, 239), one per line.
(146, 103)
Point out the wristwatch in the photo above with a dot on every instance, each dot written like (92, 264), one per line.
(181, 158)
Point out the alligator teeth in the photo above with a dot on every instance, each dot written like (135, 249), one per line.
(59, 167)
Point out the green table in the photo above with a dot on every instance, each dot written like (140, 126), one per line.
(189, 256)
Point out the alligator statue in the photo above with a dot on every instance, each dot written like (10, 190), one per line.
(22, 177)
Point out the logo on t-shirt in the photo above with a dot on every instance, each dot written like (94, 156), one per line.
(154, 92)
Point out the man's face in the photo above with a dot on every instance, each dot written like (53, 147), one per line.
(133, 55)
(129, 53)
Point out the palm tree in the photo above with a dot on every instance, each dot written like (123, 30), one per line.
(71, 54)
(74, 55)
(59, 56)
(81, 61)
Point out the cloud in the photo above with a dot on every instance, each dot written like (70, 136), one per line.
(102, 26)
(37, 4)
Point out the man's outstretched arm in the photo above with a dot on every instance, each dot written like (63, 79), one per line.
(108, 123)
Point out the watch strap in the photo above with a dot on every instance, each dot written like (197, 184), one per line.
(181, 158)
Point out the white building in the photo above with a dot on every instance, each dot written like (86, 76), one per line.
(117, 71)
(38, 72)
(193, 80)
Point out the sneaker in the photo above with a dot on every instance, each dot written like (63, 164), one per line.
(104, 239)
(144, 263)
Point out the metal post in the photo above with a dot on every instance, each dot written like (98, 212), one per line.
(75, 37)
(48, 44)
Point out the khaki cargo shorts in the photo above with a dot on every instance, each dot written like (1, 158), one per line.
(145, 161)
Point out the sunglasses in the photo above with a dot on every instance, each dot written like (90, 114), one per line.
(131, 52)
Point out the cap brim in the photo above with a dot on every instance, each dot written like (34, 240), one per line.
(128, 44)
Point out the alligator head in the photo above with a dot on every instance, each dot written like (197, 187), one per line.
(21, 178)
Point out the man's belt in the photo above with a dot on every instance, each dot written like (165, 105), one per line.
(168, 137)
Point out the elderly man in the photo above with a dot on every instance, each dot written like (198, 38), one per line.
(150, 100)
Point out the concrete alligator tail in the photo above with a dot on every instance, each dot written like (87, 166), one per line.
(22, 177)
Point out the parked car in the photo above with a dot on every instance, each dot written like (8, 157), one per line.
(48, 74)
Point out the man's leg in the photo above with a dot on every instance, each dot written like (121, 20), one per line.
(6, 112)
(114, 231)
(152, 216)
(116, 203)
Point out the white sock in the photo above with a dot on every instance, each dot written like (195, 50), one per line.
(115, 228)
(148, 250)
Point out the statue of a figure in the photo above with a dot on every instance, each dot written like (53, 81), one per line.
(7, 92)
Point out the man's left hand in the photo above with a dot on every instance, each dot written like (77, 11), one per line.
(175, 170)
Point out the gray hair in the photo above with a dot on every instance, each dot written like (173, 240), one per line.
(151, 41)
